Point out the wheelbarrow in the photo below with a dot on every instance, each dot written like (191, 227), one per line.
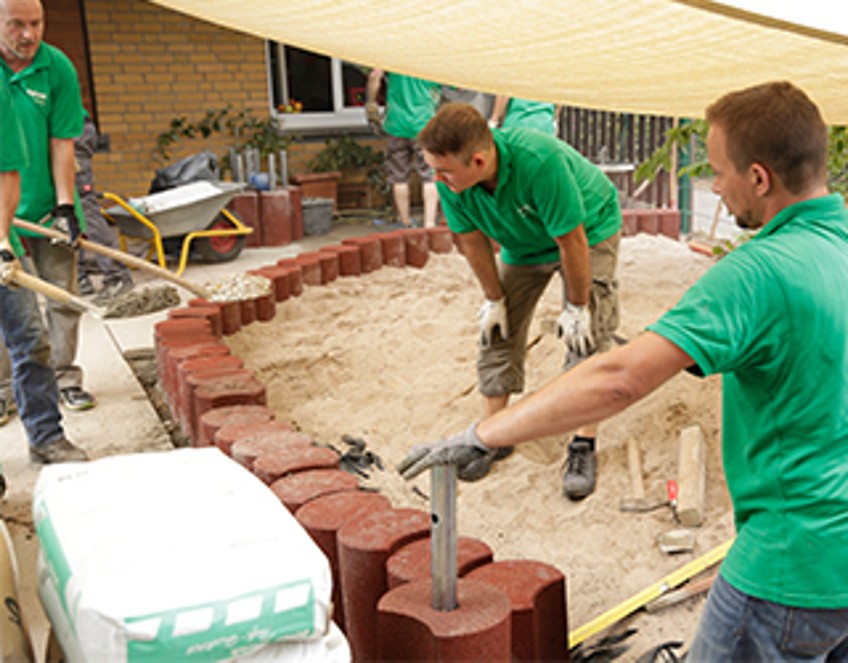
(190, 213)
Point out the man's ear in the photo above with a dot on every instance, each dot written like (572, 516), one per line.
(762, 179)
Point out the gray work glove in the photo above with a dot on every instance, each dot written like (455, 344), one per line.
(375, 119)
(574, 326)
(458, 449)
(493, 318)
(65, 221)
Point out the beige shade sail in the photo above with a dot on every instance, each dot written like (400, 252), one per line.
(643, 56)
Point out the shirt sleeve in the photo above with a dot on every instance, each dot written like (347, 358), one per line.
(66, 114)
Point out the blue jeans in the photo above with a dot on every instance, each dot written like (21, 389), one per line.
(737, 627)
(33, 380)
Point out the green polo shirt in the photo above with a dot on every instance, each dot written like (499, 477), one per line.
(536, 115)
(545, 189)
(47, 98)
(772, 317)
(13, 154)
(410, 103)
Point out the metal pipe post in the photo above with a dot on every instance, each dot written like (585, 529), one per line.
(443, 536)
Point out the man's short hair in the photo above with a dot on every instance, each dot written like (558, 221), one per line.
(777, 125)
(457, 129)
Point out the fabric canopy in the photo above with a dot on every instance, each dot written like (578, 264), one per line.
(644, 56)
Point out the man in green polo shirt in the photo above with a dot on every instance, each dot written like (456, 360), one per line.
(550, 210)
(772, 318)
(410, 103)
(45, 92)
(20, 320)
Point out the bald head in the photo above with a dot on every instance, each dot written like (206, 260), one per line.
(21, 31)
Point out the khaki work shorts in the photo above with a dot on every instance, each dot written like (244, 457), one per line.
(401, 155)
(500, 367)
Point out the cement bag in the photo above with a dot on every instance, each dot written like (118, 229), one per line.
(181, 555)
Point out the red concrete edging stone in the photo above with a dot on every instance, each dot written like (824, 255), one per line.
(417, 247)
(270, 466)
(441, 239)
(394, 248)
(364, 546)
(324, 516)
(414, 561)
(246, 451)
(536, 592)
(410, 629)
(349, 258)
(297, 489)
(226, 436)
(214, 420)
(371, 250)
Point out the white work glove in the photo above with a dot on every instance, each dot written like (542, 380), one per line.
(492, 317)
(459, 449)
(8, 262)
(574, 326)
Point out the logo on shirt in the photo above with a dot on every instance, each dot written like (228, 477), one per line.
(524, 210)
(38, 98)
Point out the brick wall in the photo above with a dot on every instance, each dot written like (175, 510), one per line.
(151, 65)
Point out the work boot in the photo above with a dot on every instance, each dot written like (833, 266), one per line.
(479, 467)
(57, 451)
(580, 470)
(76, 398)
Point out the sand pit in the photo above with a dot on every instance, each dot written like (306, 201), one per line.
(389, 357)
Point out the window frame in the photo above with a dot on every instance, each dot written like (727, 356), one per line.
(341, 118)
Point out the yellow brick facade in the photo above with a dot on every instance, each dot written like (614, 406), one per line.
(151, 65)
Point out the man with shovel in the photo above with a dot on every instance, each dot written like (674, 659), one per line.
(45, 92)
(24, 335)
(772, 318)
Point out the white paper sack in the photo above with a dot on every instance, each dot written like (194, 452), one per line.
(183, 553)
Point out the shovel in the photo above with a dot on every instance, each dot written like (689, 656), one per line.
(120, 256)
(12, 273)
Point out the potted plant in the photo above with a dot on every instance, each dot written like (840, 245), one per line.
(357, 169)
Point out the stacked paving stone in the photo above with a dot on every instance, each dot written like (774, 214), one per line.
(379, 555)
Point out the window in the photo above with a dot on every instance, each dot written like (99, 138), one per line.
(331, 91)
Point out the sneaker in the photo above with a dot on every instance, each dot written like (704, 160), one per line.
(84, 285)
(7, 409)
(76, 398)
(58, 451)
(581, 467)
(479, 467)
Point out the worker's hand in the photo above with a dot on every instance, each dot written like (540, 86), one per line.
(6, 253)
(375, 119)
(574, 326)
(65, 221)
(7, 261)
(493, 318)
(458, 449)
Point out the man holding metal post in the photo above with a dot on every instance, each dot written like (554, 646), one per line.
(772, 318)
(45, 92)
(550, 210)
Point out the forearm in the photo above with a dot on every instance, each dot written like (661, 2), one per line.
(477, 250)
(62, 169)
(372, 88)
(498, 109)
(594, 390)
(576, 265)
(10, 188)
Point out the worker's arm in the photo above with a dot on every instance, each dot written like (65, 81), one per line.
(477, 250)
(498, 110)
(372, 89)
(63, 169)
(10, 191)
(588, 393)
(576, 265)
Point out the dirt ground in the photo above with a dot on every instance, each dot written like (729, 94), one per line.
(389, 357)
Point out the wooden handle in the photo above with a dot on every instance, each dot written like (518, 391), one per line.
(19, 277)
(634, 464)
(120, 256)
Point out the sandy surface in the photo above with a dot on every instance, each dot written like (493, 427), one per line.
(389, 357)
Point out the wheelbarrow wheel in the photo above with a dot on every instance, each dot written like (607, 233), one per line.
(219, 249)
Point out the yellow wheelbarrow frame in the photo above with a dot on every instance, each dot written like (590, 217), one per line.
(152, 232)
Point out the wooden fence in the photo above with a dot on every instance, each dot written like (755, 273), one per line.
(618, 142)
